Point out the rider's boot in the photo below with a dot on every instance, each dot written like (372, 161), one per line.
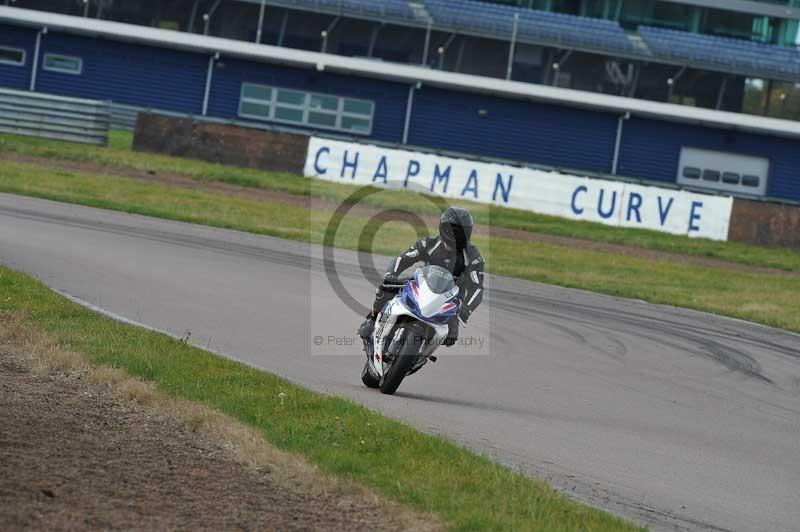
(366, 328)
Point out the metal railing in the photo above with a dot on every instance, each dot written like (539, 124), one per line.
(123, 117)
(35, 114)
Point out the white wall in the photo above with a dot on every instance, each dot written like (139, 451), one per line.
(578, 198)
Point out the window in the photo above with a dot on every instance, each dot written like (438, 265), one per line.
(290, 106)
(356, 125)
(286, 97)
(710, 175)
(751, 181)
(324, 103)
(12, 56)
(62, 63)
(691, 173)
(730, 178)
(256, 92)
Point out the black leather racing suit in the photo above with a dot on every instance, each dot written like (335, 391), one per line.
(466, 266)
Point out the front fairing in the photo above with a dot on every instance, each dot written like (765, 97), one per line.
(427, 305)
(417, 301)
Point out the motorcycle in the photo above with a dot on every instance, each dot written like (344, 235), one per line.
(410, 327)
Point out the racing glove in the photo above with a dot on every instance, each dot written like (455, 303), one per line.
(452, 333)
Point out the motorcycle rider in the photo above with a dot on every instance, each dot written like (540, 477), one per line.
(452, 251)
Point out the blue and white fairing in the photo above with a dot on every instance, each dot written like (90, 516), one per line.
(429, 297)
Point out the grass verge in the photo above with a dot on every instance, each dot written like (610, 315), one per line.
(765, 298)
(294, 477)
(424, 472)
(120, 156)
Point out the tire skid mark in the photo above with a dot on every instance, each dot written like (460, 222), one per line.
(572, 332)
(732, 358)
(699, 327)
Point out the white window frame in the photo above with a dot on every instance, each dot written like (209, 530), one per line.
(14, 63)
(306, 108)
(62, 70)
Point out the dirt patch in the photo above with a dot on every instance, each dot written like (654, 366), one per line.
(84, 448)
(283, 198)
(635, 252)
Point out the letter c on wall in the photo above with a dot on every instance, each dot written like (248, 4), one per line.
(575, 208)
(321, 171)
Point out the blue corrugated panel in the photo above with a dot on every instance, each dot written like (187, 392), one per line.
(651, 149)
(365, 8)
(127, 73)
(17, 77)
(390, 98)
(556, 28)
(758, 58)
(513, 129)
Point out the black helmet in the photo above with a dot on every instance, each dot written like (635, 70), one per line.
(455, 227)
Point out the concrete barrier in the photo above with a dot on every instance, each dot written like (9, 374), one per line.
(220, 143)
(765, 224)
(760, 223)
(563, 195)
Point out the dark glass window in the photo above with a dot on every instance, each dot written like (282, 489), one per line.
(731, 178)
(63, 63)
(690, 172)
(750, 180)
(12, 56)
(711, 175)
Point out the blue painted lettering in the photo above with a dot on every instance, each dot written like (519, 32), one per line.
(662, 211)
(606, 214)
(472, 184)
(577, 210)
(413, 170)
(349, 164)
(694, 216)
(634, 204)
(439, 176)
(317, 168)
(382, 172)
(505, 190)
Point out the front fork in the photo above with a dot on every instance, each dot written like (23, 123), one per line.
(369, 351)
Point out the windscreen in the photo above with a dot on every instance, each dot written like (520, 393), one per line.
(437, 278)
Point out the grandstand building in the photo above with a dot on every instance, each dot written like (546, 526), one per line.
(734, 55)
(585, 88)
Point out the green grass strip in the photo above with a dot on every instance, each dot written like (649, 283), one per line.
(764, 298)
(425, 472)
(120, 156)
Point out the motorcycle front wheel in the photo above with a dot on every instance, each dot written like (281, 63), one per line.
(405, 355)
(367, 378)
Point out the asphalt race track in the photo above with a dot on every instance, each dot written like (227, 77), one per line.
(675, 419)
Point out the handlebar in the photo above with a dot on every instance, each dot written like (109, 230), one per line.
(397, 282)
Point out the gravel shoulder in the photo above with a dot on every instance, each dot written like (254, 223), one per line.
(78, 451)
